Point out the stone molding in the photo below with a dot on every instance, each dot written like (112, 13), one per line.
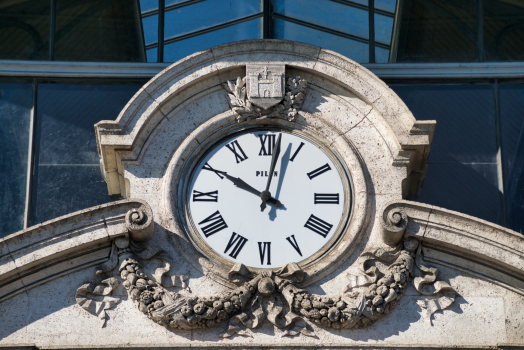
(68, 243)
(125, 140)
(473, 245)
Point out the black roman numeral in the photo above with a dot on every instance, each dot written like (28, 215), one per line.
(326, 198)
(233, 148)
(216, 223)
(205, 196)
(208, 167)
(296, 152)
(318, 225)
(239, 243)
(319, 171)
(267, 143)
(294, 244)
(263, 248)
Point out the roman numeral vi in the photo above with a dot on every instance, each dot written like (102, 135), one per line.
(239, 243)
(263, 248)
(318, 225)
(216, 223)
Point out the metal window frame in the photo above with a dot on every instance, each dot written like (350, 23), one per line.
(58, 69)
(420, 73)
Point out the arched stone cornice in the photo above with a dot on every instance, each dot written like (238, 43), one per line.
(126, 139)
(69, 243)
(464, 242)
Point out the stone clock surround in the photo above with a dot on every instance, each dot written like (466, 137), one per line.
(143, 153)
(347, 108)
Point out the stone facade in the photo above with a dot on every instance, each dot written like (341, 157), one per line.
(125, 274)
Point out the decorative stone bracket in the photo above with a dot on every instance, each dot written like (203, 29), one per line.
(263, 295)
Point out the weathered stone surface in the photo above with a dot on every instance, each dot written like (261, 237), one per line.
(49, 293)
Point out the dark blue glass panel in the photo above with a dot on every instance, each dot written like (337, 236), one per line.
(24, 30)
(148, 5)
(512, 130)
(503, 30)
(383, 29)
(67, 175)
(381, 55)
(98, 30)
(242, 31)
(467, 188)
(465, 118)
(152, 54)
(15, 118)
(150, 25)
(172, 2)
(438, 31)
(65, 189)
(207, 14)
(355, 50)
(462, 169)
(386, 5)
(326, 13)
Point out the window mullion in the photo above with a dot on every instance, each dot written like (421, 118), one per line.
(30, 159)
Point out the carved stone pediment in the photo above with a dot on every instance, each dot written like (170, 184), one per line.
(135, 274)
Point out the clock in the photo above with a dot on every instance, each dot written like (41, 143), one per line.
(266, 198)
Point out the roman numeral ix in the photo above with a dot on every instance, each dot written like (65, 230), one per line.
(215, 223)
(238, 241)
(233, 148)
(205, 196)
(291, 239)
(319, 171)
(318, 225)
(326, 198)
(263, 248)
(208, 167)
(267, 144)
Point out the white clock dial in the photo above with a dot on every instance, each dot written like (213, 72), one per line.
(225, 203)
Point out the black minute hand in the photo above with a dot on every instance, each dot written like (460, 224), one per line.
(266, 195)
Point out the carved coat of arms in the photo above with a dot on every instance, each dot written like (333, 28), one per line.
(265, 84)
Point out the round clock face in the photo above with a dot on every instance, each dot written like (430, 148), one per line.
(297, 219)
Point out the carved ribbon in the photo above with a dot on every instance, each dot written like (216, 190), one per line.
(370, 274)
(429, 286)
(152, 252)
(93, 298)
(271, 305)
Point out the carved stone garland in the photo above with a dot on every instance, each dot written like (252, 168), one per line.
(369, 296)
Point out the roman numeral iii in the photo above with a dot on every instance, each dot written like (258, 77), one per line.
(205, 196)
(239, 157)
(263, 248)
(267, 143)
(318, 225)
(326, 198)
(291, 239)
(238, 241)
(215, 223)
(319, 171)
